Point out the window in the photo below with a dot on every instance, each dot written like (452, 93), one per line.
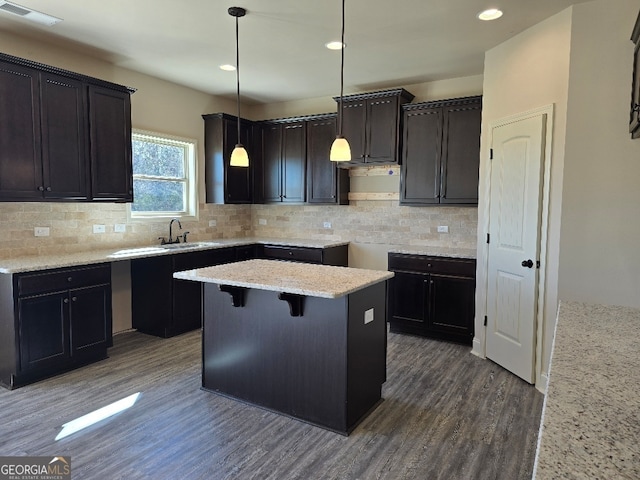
(164, 183)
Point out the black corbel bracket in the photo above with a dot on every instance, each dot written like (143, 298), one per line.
(295, 302)
(237, 294)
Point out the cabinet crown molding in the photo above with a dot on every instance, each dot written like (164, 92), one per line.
(395, 92)
(66, 73)
(442, 103)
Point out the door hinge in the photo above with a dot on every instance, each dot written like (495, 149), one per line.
(488, 237)
(491, 154)
(485, 320)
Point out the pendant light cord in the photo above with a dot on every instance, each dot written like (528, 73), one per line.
(341, 74)
(238, 79)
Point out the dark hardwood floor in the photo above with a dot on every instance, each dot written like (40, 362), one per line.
(446, 414)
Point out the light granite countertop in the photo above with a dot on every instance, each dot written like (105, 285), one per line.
(58, 260)
(437, 251)
(590, 424)
(322, 281)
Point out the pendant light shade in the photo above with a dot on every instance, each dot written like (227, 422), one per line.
(239, 156)
(340, 149)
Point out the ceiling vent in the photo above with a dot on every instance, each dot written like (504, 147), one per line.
(28, 14)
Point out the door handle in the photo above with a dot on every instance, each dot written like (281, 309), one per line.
(527, 263)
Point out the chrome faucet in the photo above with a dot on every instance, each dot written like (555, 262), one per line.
(163, 241)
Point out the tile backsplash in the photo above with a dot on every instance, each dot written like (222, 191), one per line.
(371, 222)
(71, 227)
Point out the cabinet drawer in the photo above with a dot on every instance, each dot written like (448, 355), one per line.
(298, 254)
(62, 279)
(419, 263)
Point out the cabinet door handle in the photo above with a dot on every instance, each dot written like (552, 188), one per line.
(74, 299)
(66, 300)
(41, 188)
(69, 279)
(48, 189)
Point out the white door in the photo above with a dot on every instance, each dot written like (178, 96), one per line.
(514, 244)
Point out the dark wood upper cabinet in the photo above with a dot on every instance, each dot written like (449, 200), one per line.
(634, 115)
(20, 159)
(283, 161)
(63, 136)
(224, 183)
(326, 182)
(110, 136)
(372, 123)
(441, 152)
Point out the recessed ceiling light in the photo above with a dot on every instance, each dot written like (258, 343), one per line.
(490, 14)
(228, 68)
(334, 45)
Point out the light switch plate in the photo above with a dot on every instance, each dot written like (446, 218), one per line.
(368, 316)
(212, 223)
(443, 229)
(99, 229)
(119, 228)
(41, 231)
(326, 224)
(262, 221)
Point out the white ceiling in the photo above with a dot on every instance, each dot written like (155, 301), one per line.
(390, 43)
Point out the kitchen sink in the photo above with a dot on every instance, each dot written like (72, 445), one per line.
(179, 246)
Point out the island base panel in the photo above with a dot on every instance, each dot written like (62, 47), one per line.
(325, 367)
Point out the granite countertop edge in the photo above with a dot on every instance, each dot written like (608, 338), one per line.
(323, 281)
(51, 261)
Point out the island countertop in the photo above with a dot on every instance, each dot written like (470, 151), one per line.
(322, 281)
(590, 424)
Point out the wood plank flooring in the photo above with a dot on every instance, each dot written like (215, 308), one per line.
(446, 414)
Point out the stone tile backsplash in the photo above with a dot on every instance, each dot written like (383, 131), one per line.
(373, 222)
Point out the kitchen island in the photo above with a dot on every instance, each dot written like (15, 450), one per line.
(306, 341)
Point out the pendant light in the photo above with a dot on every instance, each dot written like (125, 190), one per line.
(239, 156)
(340, 150)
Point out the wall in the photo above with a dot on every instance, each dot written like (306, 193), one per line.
(600, 236)
(530, 70)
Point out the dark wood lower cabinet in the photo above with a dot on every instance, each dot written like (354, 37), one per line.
(165, 306)
(432, 296)
(53, 321)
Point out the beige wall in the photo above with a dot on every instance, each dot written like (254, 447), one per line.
(600, 236)
(529, 71)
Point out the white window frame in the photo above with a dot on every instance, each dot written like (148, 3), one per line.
(190, 179)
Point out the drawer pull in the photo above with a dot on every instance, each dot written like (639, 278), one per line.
(69, 279)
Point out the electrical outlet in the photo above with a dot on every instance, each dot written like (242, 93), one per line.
(119, 228)
(326, 224)
(262, 221)
(41, 231)
(368, 316)
(443, 229)
(212, 223)
(98, 229)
